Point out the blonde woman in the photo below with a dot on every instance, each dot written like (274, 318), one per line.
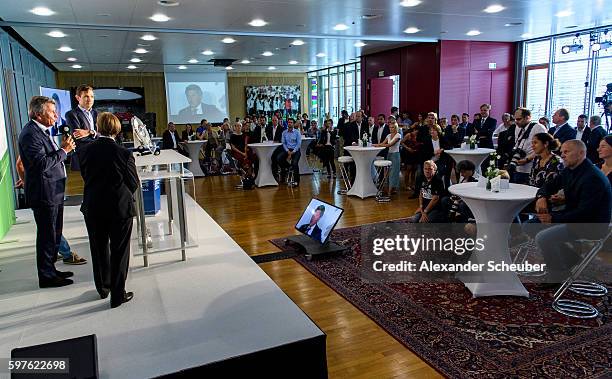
(392, 142)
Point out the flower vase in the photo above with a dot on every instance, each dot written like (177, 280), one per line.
(364, 143)
(472, 146)
(488, 184)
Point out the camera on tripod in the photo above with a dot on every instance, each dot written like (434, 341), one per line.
(606, 99)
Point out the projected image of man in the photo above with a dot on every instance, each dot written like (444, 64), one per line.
(197, 108)
(312, 229)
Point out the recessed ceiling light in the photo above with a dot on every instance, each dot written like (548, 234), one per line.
(148, 37)
(258, 22)
(271, 68)
(267, 53)
(76, 66)
(494, 8)
(320, 55)
(42, 11)
(71, 59)
(410, 3)
(135, 60)
(207, 52)
(192, 61)
(341, 27)
(359, 44)
(245, 61)
(526, 35)
(103, 15)
(293, 62)
(472, 33)
(56, 34)
(181, 67)
(297, 42)
(370, 16)
(141, 51)
(102, 35)
(131, 67)
(160, 17)
(513, 24)
(66, 49)
(228, 40)
(229, 68)
(564, 13)
(411, 30)
(168, 3)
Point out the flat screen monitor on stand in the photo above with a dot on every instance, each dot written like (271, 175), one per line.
(316, 225)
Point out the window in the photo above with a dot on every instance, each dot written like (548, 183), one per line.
(537, 52)
(536, 90)
(604, 77)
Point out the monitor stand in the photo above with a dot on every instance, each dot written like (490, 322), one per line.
(311, 247)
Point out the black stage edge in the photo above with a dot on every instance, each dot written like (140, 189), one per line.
(302, 359)
(311, 247)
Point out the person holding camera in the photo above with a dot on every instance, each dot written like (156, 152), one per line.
(523, 154)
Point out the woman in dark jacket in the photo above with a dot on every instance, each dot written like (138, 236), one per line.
(435, 150)
(325, 148)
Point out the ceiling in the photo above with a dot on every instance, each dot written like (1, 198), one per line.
(104, 33)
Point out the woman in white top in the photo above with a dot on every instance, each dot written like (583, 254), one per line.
(393, 143)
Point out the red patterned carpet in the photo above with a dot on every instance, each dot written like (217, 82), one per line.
(462, 337)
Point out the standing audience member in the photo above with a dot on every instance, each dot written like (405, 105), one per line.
(110, 178)
(485, 127)
(291, 140)
(392, 143)
(562, 131)
(436, 152)
(431, 190)
(596, 134)
(44, 184)
(239, 149)
(410, 158)
(170, 138)
(588, 205)
(465, 122)
(82, 119)
(505, 145)
(325, 147)
(454, 132)
(380, 133)
(188, 134)
(520, 167)
(605, 154)
(582, 130)
(201, 129)
(546, 164)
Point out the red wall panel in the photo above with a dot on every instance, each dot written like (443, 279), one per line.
(479, 91)
(454, 77)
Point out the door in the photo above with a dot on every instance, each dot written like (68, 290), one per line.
(381, 96)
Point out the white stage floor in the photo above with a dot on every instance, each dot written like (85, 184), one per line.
(217, 305)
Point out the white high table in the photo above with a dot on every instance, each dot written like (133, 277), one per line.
(494, 212)
(264, 152)
(363, 157)
(305, 168)
(476, 156)
(194, 147)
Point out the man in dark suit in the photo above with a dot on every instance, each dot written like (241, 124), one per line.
(582, 130)
(196, 108)
(45, 181)
(562, 131)
(274, 132)
(596, 134)
(380, 132)
(352, 138)
(506, 140)
(588, 204)
(170, 138)
(110, 178)
(312, 229)
(485, 127)
(82, 120)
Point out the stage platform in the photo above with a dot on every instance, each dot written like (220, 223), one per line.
(214, 309)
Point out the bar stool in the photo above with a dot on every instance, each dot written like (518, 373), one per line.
(383, 168)
(344, 174)
(291, 178)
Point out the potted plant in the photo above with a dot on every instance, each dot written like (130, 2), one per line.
(364, 140)
(492, 170)
(472, 142)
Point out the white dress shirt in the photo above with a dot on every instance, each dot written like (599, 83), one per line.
(525, 144)
(89, 116)
(579, 133)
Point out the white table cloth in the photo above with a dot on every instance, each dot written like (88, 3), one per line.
(494, 212)
(303, 163)
(264, 152)
(193, 148)
(476, 156)
(363, 157)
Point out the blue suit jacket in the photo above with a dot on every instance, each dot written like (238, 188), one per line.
(76, 119)
(45, 179)
(564, 133)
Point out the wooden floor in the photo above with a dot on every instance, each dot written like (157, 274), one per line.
(356, 347)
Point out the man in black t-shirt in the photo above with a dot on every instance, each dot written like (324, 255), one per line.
(431, 192)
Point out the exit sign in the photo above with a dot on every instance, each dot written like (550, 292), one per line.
(381, 74)
(492, 65)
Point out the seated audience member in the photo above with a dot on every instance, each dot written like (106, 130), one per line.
(562, 130)
(507, 121)
(201, 129)
(170, 138)
(546, 164)
(325, 147)
(471, 129)
(410, 158)
(443, 123)
(605, 154)
(454, 206)
(239, 149)
(290, 156)
(431, 190)
(274, 132)
(313, 131)
(454, 132)
(188, 134)
(521, 162)
(392, 142)
(544, 121)
(596, 135)
(298, 126)
(588, 204)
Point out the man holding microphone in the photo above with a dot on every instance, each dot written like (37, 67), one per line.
(45, 182)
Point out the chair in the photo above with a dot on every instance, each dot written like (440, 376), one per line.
(291, 177)
(575, 308)
(344, 174)
(383, 168)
